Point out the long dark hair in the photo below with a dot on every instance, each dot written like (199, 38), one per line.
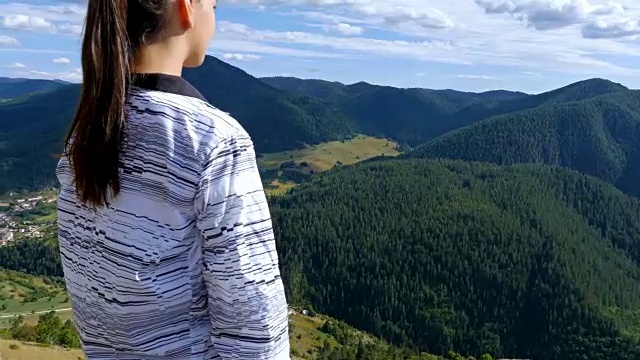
(114, 31)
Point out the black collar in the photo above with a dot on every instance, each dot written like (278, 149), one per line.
(166, 83)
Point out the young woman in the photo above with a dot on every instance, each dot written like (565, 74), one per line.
(165, 234)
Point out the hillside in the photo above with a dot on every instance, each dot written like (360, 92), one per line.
(11, 88)
(521, 262)
(598, 136)
(275, 120)
(22, 293)
(32, 128)
(312, 338)
(26, 302)
(321, 89)
(31, 136)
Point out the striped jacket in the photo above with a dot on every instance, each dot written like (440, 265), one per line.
(182, 263)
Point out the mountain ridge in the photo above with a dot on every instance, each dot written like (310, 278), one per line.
(598, 136)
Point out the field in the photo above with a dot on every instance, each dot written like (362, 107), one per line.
(29, 295)
(26, 351)
(284, 168)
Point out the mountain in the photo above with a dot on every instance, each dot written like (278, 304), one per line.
(415, 116)
(11, 88)
(321, 89)
(525, 261)
(333, 90)
(280, 114)
(409, 116)
(599, 136)
(32, 128)
(275, 120)
(31, 135)
(573, 92)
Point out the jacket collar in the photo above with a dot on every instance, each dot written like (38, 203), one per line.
(166, 83)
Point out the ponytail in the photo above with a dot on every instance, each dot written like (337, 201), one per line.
(93, 143)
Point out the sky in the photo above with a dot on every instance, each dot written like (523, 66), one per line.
(470, 45)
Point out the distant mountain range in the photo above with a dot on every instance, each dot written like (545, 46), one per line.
(598, 135)
(11, 88)
(280, 113)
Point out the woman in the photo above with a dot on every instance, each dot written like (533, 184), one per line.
(165, 235)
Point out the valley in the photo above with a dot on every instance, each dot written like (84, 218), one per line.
(420, 224)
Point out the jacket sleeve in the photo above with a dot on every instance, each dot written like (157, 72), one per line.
(246, 300)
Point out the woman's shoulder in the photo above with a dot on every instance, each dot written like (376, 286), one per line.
(221, 121)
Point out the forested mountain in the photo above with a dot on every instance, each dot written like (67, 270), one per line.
(409, 116)
(11, 88)
(320, 89)
(32, 128)
(521, 262)
(276, 121)
(333, 90)
(598, 136)
(32, 131)
(415, 116)
(577, 91)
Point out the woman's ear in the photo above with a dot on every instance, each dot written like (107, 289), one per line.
(185, 12)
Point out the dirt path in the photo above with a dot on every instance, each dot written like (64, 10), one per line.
(35, 313)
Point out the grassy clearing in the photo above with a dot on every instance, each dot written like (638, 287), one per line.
(325, 156)
(17, 307)
(279, 187)
(26, 294)
(319, 158)
(305, 335)
(26, 351)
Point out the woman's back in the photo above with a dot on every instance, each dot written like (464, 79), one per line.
(165, 234)
(181, 264)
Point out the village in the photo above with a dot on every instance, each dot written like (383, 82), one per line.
(15, 222)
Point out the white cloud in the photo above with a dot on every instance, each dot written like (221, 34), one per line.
(74, 75)
(26, 22)
(435, 50)
(40, 24)
(241, 57)
(482, 46)
(61, 60)
(8, 41)
(600, 29)
(344, 29)
(406, 13)
(17, 66)
(476, 77)
(68, 12)
(597, 19)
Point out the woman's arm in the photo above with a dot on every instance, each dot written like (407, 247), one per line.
(246, 299)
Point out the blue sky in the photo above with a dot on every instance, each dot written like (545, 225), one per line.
(472, 45)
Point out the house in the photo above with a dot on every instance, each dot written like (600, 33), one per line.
(6, 236)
